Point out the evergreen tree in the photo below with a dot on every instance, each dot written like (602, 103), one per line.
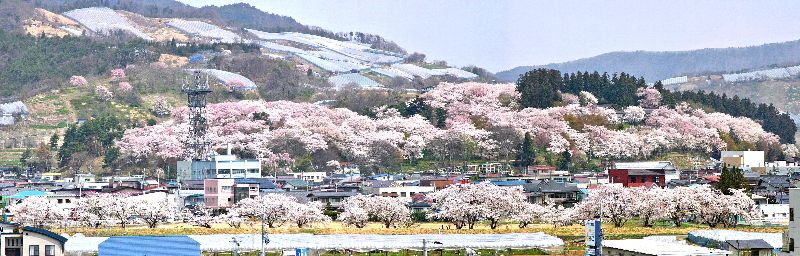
(54, 141)
(731, 178)
(527, 152)
(539, 88)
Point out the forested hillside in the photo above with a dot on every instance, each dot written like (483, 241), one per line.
(662, 65)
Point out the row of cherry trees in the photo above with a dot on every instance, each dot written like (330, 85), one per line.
(484, 120)
(463, 205)
(95, 211)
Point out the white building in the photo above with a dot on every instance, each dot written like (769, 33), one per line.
(792, 236)
(746, 160)
(309, 176)
(219, 167)
(404, 192)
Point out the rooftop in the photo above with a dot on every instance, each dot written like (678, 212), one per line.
(655, 165)
(659, 248)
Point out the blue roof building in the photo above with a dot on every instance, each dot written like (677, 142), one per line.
(149, 246)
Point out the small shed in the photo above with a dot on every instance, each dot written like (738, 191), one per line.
(149, 246)
(749, 247)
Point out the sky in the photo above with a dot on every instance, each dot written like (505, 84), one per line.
(499, 35)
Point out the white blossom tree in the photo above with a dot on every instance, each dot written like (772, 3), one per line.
(312, 212)
(273, 208)
(121, 209)
(391, 212)
(465, 205)
(153, 210)
(38, 211)
(529, 213)
(93, 211)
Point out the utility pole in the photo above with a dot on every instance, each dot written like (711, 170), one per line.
(424, 248)
(264, 237)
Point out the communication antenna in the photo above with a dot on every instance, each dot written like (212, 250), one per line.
(197, 90)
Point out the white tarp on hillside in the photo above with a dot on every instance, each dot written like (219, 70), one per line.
(353, 242)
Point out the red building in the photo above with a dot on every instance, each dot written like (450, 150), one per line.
(640, 174)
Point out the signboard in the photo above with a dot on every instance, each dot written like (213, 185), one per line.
(594, 238)
(301, 252)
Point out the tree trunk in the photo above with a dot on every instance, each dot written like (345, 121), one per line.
(493, 223)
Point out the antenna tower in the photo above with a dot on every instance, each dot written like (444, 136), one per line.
(197, 90)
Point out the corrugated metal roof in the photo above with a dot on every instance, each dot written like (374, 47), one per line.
(660, 165)
(149, 245)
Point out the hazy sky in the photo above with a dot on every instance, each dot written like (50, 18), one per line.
(500, 35)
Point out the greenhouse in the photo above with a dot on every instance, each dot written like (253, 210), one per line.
(103, 20)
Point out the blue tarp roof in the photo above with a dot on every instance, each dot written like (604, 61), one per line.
(27, 193)
(149, 246)
(509, 182)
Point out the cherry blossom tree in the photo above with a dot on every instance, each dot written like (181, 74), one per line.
(465, 205)
(274, 209)
(312, 212)
(233, 218)
(38, 211)
(93, 211)
(391, 212)
(117, 74)
(161, 106)
(587, 98)
(612, 202)
(528, 213)
(125, 87)
(680, 204)
(202, 217)
(103, 93)
(790, 150)
(121, 209)
(634, 114)
(352, 215)
(153, 210)
(650, 97)
(78, 81)
(649, 204)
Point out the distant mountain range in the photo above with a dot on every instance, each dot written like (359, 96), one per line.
(662, 65)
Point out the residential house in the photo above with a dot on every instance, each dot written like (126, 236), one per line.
(774, 187)
(30, 241)
(316, 177)
(755, 247)
(540, 192)
(638, 174)
(404, 192)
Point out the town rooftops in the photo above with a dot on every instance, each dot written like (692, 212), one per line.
(659, 165)
(263, 183)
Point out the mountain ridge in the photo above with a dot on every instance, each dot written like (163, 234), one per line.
(658, 65)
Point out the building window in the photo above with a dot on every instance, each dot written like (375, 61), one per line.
(403, 194)
(33, 250)
(791, 214)
(791, 244)
(655, 179)
(226, 188)
(49, 250)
